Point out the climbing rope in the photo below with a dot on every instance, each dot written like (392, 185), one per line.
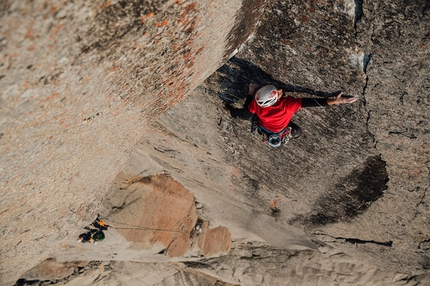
(139, 227)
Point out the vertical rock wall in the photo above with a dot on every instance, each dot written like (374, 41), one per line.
(79, 81)
(369, 159)
(358, 177)
(78, 78)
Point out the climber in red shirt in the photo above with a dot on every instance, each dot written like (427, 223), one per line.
(274, 112)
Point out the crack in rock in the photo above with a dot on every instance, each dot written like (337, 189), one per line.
(388, 243)
(358, 11)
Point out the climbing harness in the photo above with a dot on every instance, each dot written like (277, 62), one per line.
(274, 139)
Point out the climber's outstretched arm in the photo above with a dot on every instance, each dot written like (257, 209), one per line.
(311, 102)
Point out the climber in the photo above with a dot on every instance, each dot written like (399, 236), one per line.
(86, 237)
(99, 236)
(99, 224)
(92, 236)
(271, 113)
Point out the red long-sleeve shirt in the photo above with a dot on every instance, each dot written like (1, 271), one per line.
(276, 117)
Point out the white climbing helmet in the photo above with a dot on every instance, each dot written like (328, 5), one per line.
(266, 96)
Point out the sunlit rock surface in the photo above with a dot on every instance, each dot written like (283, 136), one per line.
(79, 83)
(345, 204)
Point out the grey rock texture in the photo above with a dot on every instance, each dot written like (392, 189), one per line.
(79, 82)
(350, 196)
(247, 264)
(265, 251)
(369, 159)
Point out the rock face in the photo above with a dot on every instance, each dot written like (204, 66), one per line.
(349, 196)
(158, 210)
(148, 211)
(79, 83)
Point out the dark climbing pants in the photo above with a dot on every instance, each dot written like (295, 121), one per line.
(296, 131)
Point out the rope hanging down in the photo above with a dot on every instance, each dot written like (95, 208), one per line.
(140, 227)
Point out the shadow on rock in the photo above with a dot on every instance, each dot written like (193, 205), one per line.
(230, 81)
(351, 196)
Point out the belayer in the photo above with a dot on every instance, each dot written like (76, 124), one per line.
(271, 113)
(94, 235)
(99, 224)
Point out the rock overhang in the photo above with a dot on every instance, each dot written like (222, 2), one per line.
(79, 84)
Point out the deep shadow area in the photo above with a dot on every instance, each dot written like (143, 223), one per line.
(351, 196)
(234, 76)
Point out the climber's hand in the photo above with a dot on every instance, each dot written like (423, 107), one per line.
(339, 99)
